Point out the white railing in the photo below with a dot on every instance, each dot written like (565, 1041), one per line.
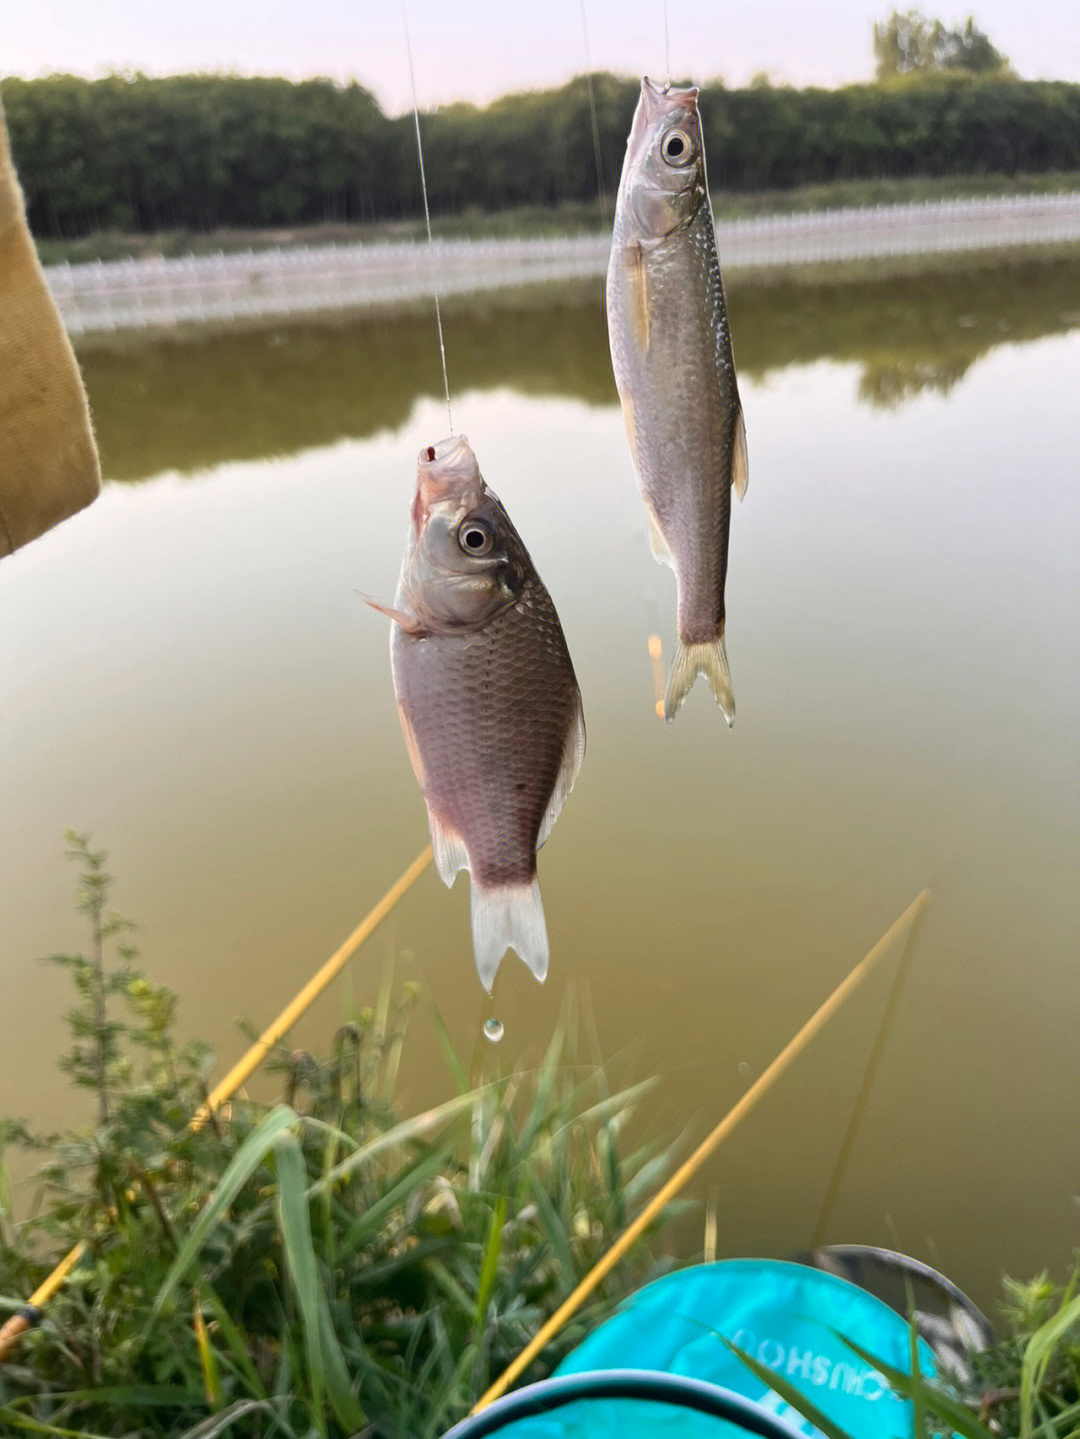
(130, 294)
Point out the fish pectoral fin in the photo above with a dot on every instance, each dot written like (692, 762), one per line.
(637, 294)
(409, 623)
(450, 852)
(740, 473)
(415, 758)
(659, 546)
(627, 405)
(573, 753)
(451, 856)
(508, 916)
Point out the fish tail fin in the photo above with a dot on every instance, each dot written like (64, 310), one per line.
(508, 916)
(709, 659)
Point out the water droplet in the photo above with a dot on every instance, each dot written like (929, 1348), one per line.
(493, 1030)
(744, 1068)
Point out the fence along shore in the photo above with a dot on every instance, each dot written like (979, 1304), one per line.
(158, 293)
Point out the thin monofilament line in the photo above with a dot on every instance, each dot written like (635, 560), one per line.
(427, 222)
(689, 1167)
(667, 49)
(601, 188)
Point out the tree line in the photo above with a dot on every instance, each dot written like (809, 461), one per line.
(909, 41)
(138, 153)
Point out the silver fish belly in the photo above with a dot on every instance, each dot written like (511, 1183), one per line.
(675, 373)
(488, 701)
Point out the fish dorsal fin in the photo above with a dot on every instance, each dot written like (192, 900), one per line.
(637, 294)
(573, 754)
(450, 852)
(740, 473)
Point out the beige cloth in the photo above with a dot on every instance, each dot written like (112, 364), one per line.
(48, 460)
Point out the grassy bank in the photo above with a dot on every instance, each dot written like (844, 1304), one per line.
(327, 1266)
(312, 1266)
(567, 218)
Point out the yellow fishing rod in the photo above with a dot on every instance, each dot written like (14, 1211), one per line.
(240, 1072)
(687, 1170)
(31, 1315)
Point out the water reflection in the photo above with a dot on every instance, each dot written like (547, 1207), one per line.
(187, 673)
(190, 404)
(889, 384)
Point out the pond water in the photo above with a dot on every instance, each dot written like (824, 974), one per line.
(187, 673)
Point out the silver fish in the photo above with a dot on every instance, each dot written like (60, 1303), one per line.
(488, 700)
(675, 373)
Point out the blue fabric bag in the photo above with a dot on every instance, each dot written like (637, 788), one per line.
(786, 1316)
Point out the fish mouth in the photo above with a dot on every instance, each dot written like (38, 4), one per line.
(658, 196)
(444, 469)
(452, 454)
(660, 100)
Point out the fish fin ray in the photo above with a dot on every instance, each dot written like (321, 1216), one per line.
(659, 546)
(413, 750)
(508, 916)
(451, 856)
(638, 295)
(709, 659)
(573, 753)
(628, 420)
(740, 471)
(409, 623)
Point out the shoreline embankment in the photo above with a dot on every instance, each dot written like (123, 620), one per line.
(308, 281)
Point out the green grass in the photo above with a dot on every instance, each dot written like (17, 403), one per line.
(310, 1267)
(325, 1266)
(568, 218)
(1027, 1386)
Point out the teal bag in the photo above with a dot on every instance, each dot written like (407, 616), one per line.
(788, 1317)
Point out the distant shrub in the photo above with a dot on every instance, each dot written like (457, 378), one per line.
(202, 152)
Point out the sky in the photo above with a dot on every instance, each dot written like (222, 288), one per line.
(478, 49)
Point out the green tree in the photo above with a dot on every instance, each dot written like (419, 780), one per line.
(910, 41)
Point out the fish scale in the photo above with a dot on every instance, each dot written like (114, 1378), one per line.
(488, 700)
(675, 373)
(689, 440)
(491, 713)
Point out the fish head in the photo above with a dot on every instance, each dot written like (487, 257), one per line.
(663, 181)
(465, 561)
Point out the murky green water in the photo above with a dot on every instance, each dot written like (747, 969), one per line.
(186, 671)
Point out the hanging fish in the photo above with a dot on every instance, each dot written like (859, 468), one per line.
(675, 373)
(488, 700)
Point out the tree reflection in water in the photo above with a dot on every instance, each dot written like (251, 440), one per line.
(189, 402)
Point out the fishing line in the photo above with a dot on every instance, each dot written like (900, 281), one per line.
(866, 1084)
(689, 1167)
(427, 222)
(600, 185)
(667, 49)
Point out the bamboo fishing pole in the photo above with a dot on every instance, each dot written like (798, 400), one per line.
(30, 1316)
(687, 1170)
(865, 1086)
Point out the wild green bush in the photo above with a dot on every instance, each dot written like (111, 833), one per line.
(1028, 1384)
(320, 1266)
(325, 1267)
(145, 154)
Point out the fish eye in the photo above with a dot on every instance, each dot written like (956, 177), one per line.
(677, 148)
(476, 538)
